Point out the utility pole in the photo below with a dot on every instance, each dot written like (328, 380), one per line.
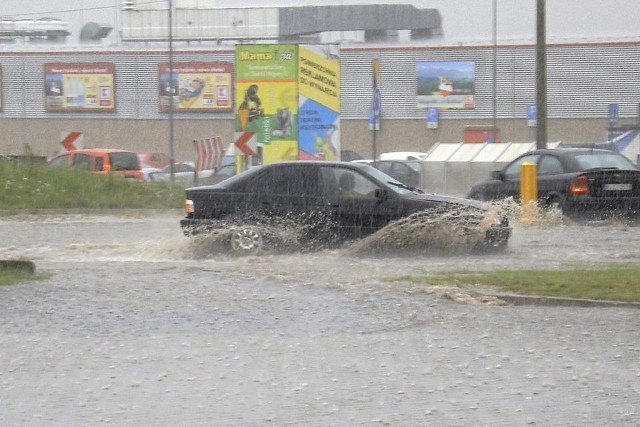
(171, 94)
(495, 70)
(541, 75)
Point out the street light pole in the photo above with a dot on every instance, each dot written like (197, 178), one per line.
(171, 94)
(541, 76)
(495, 70)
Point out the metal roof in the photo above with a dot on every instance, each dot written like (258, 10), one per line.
(317, 19)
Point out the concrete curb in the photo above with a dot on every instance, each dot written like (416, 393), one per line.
(78, 211)
(558, 301)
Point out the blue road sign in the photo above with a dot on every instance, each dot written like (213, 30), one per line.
(613, 115)
(432, 118)
(375, 110)
(532, 115)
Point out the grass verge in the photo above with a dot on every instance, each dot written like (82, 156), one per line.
(28, 185)
(612, 282)
(11, 276)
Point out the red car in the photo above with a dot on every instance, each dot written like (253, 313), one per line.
(101, 161)
(154, 159)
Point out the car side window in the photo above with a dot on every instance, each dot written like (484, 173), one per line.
(550, 165)
(513, 170)
(82, 161)
(289, 180)
(99, 164)
(339, 182)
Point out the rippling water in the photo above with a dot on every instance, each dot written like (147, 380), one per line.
(157, 238)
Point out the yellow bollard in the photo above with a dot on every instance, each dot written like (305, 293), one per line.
(240, 164)
(528, 192)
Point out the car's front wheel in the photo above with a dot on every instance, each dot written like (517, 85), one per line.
(246, 241)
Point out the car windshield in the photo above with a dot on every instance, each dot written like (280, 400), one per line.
(124, 161)
(389, 182)
(603, 160)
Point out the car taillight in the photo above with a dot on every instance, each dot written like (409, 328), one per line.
(579, 185)
(188, 206)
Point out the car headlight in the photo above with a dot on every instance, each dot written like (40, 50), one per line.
(492, 219)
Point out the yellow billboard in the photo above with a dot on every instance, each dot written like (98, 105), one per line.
(79, 87)
(196, 86)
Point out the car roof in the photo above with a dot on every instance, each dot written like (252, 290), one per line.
(571, 150)
(608, 145)
(97, 150)
(315, 162)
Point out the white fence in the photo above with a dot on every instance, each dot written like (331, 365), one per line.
(452, 168)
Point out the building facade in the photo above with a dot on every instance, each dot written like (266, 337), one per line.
(584, 81)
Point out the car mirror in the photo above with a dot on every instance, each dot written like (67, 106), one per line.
(380, 194)
(497, 175)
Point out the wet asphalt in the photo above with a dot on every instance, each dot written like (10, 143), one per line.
(133, 324)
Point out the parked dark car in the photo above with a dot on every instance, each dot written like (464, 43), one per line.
(605, 145)
(577, 181)
(331, 201)
(222, 173)
(408, 172)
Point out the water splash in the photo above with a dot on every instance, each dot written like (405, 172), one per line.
(439, 231)
(454, 231)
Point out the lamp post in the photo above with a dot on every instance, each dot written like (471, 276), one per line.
(541, 76)
(495, 69)
(171, 94)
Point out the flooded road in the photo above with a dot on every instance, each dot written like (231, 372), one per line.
(139, 325)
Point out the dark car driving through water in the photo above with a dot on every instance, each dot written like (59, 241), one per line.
(579, 182)
(328, 202)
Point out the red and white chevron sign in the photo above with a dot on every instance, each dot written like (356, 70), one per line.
(71, 140)
(246, 142)
(208, 153)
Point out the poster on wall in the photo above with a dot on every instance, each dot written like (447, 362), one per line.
(319, 101)
(267, 98)
(446, 85)
(0, 87)
(79, 87)
(196, 86)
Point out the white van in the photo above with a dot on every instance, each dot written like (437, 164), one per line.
(403, 155)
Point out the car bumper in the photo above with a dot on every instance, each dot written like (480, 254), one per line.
(194, 226)
(600, 207)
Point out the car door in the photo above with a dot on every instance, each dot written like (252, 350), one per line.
(507, 182)
(551, 178)
(287, 191)
(359, 211)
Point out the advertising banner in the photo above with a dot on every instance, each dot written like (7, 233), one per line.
(267, 98)
(79, 87)
(319, 100)
(0, 87)
(446, 85)
(196, 86)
